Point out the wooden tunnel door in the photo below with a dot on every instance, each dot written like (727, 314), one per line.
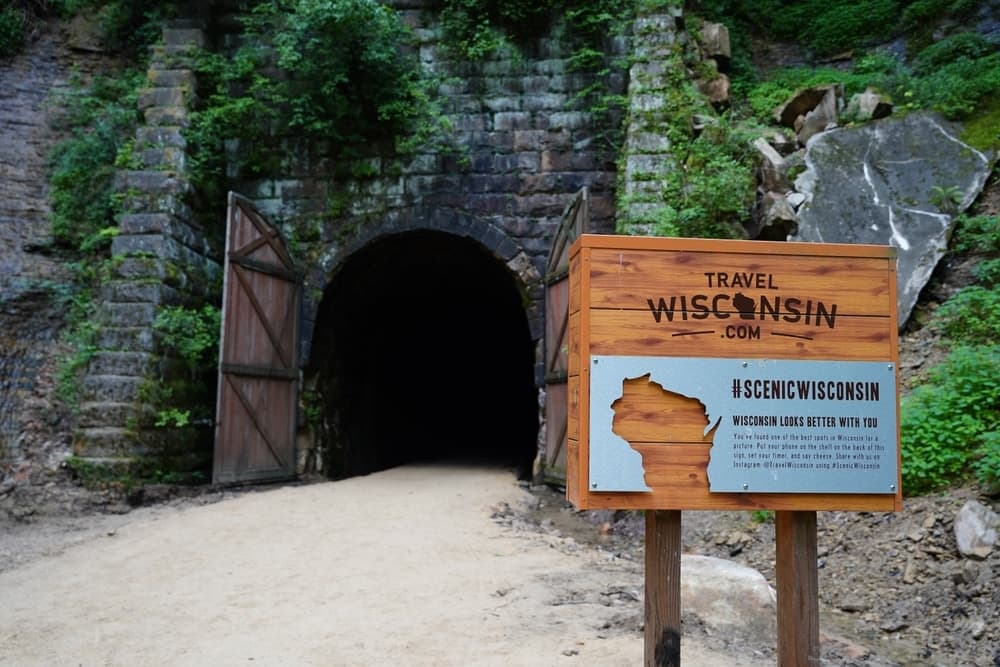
(258, 352)
(575, 221)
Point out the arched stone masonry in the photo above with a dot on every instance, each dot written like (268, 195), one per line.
(498, 242)
(422, 346)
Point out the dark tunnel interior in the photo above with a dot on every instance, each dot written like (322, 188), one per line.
(422, 352)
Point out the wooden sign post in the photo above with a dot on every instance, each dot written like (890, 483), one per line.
(732, 375)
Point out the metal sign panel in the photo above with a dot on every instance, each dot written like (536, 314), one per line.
(779, 426)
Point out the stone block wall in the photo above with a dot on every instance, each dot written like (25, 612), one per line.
(160, 257)
(34, 438)
(520, 148)
(647, 157)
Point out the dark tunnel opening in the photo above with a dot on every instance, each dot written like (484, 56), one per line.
(422, 352)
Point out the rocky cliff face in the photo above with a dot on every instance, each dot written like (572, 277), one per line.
(34, 436)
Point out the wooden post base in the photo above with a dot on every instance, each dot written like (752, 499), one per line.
(663, 588)
(798, 589)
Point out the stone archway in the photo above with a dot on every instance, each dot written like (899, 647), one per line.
(422, 349)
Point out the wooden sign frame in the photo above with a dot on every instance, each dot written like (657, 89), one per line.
(672, 297)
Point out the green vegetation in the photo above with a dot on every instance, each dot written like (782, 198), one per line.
(829, 27)
(764, 97)
(971, 315)
(476, 29)
(958, 75)
(347, 86)
(700, 165)
(125, 26)
(951, 422)
(717, 160)
(79, 335)
(959, 89)
(127, 476)
(190, 336)
(101, 119)
(14, 25)
(978, 234)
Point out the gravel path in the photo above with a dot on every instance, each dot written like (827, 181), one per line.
(403, 567)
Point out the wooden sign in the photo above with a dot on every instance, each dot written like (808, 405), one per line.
(729, 375)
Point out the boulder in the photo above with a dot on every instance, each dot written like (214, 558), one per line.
(783, 142)
(775, 218)
(716, 90)
(820, 118)
(714, 39)
(875, 183)
(976, 530)
(800, 103)
(771, 166)
(728, 597)
(868, 105)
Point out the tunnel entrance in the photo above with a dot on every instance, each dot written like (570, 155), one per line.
(422, 352)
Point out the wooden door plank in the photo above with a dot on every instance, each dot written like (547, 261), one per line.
(251, 412)
(258, 308)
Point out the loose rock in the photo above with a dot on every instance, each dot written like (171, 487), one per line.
(868, 105)
(975, 530)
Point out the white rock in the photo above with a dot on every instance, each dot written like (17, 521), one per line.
(976, 529)
(728, 597)
(795, 199)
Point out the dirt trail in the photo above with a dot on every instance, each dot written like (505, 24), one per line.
(403, 567)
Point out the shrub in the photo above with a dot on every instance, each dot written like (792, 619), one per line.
(475, 29)
(987, 462)
(923, 13)
(949, 424)
(825, 26)
(988, 272)
(346, 77)
(13, 26)
(101, 119)
(126, 26)
(190, 334)
(841, 26)
(960, 87)
(233, 107)
(339, 78)
(977, 233)
(766, 96)
(971, 316)
(962, 45)
(713, 189)
(130, 26)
